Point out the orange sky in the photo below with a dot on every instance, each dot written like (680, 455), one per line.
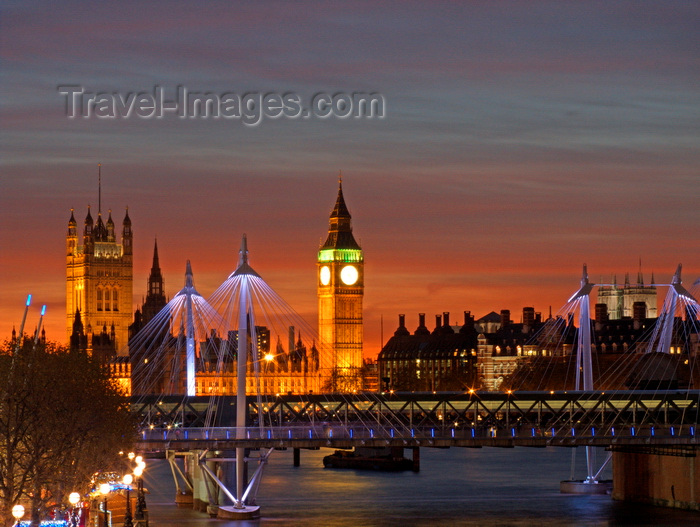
(520, 140)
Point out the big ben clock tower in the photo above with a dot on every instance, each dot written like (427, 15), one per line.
(340, 292)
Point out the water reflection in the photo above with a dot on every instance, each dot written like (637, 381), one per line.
(470, 487)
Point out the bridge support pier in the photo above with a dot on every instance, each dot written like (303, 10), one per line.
(297, 457)
(416, 459)
(665, 477)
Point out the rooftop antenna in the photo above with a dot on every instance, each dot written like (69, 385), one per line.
(99, 188)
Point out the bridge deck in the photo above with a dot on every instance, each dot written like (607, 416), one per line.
(535, 419)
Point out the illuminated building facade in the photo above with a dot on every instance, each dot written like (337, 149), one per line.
(340, 294)
(99, 275)
(620, 301)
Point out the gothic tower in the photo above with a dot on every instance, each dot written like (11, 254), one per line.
(155, 299)
(340, 292)
(99, 273)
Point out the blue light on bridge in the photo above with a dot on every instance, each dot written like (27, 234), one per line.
(533, 432)
(352, 433)
(692, 431)
(472, 433)
(613, 431)
(652, 431)
(512, 432)
(392, 433)
(633, 431)
(553, 432)
(673, 432)
(592, 431)
(573, 432)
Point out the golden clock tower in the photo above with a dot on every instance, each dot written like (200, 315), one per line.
(340, 292)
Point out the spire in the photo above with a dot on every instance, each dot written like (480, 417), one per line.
(100, 230)
(189, 277)
(243, 267)
(586, 286)
(340, 210)
(99, 188)
(155, 268)
(110, 227)
(189, 282)
(72, 224)
(155, 298)
(340, 227)
(127, 235)
(640, 277)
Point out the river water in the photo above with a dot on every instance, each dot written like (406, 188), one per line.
(457, 486)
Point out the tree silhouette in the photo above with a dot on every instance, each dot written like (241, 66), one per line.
(61, 420)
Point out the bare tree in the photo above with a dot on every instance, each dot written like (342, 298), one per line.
(61, 420)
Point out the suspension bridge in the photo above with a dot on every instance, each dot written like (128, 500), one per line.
(170, 352)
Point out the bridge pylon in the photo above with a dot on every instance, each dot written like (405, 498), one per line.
(584, 381)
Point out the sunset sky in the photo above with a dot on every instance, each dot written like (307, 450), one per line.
(521, 139)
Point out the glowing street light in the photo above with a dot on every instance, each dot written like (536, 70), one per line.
(128, 479)
(18, 510)
(105, 488)
(73, 499)
(140, 497)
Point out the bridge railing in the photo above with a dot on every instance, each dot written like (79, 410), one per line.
(359, 432)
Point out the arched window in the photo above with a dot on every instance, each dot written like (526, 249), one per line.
(99, 299)
(115, 300)
(108, 306)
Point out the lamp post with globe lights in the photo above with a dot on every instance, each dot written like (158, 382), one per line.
(73, 499)
(105, 488)
(139, 516)
(17, 513)
(128, 479)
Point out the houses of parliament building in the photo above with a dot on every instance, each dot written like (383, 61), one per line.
(100, 320)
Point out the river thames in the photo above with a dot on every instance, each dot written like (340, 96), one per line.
(457, 486)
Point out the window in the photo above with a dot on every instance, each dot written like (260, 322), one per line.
(115, 301)
(108, 306)
(99, 299)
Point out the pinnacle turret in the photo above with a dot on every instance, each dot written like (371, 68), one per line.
(340, 226)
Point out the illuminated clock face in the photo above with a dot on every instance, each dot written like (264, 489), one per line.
(349, 275)
(325, 275)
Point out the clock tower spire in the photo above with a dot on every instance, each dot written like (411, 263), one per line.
(340, 293)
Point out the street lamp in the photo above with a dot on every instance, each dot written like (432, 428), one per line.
(17, 513)
(140, 498)
(104, 490)
(128, 479)
(73, 499)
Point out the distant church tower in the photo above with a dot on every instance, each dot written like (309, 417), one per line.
(155, 297)
(340, 292)
(99, 274)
